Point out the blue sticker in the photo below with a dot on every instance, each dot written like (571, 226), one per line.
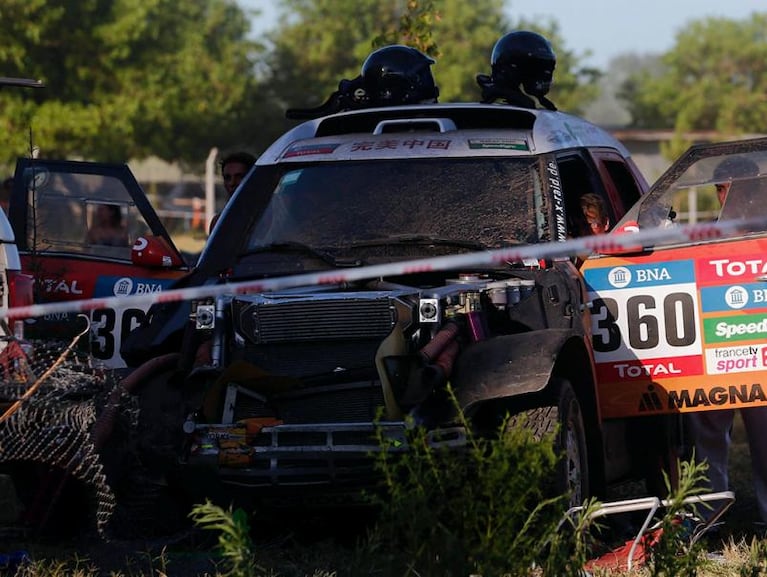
(729, 298)
(633, 276)
(111, 286)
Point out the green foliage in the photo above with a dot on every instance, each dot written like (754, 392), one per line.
(319, 42)
(234, 540)
(756, 563)
(482, 510)
(127, 78)
(132, 78)
(714, 78)
(676, 551)
(415, 28)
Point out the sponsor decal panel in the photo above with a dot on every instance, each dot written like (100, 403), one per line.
(734, 297)
(735, 328)
(741, 359)
(662, 337)
(108, 286)
(649, 369)
(742, 268)
(680, 396)
(632, 276)
(498, 143)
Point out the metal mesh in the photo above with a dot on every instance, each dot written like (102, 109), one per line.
(50, 397)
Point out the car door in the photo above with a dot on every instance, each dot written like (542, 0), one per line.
(682, 327)
(61, 213)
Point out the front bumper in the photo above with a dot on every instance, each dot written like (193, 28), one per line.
(281, 455)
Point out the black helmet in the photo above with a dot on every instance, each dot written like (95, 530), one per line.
(398, 74)
(523, 58)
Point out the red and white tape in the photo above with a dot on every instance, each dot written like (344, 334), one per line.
(603, 244)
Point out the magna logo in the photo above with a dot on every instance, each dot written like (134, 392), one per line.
(650, 400)
(716, 396)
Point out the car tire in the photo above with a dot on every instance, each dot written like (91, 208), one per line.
(562, 418)
(145, 502)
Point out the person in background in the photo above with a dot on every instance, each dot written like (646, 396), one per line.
(732, 167)
(234, 167)
(5, 194)
(592, 219)
(108, 228)
(711, 431)
(595, 214)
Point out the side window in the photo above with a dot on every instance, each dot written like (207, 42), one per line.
(581, 186)
(624, 182)
(85, 214)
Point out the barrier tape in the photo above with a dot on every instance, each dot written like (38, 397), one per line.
(602, 244)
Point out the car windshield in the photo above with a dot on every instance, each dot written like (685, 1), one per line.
(362, 206)
(711, 185)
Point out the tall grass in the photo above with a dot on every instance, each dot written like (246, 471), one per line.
(483, 511)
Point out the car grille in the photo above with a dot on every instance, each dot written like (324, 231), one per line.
(346, 403)
(261, 320)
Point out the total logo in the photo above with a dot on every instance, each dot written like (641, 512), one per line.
(736, 297)
(619, 277)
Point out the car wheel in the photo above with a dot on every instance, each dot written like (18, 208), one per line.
(562, 418)
(145, 502)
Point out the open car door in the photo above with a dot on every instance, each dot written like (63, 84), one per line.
(77, 224)
(683, 327)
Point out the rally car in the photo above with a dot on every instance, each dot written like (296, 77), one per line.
(279, 393)
(57, 211)
(680, 327)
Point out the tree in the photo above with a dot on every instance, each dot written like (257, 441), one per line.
(319, 42)
(714, 78)
(127, 78)
(609, 108)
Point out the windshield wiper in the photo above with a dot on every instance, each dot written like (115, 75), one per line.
(419, 239)
(292, 246)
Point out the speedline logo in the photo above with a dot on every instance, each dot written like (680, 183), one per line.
(740, 328)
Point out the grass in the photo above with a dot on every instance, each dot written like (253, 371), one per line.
(483, 514)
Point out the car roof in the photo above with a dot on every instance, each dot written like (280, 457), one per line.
(464, 129)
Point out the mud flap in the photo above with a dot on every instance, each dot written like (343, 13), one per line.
(508, 365)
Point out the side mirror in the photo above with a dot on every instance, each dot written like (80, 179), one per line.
(154, 252)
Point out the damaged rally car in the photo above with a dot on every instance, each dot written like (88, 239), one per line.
(276, 395)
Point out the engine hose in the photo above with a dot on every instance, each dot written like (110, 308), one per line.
(435, 346)
(104, 425)
(438, 372)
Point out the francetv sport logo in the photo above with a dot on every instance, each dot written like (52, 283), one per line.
(740, 359)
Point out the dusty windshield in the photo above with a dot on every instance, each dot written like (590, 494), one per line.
(712, 187)
(351, 206)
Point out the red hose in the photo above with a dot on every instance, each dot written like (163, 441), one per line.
(435, 346)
